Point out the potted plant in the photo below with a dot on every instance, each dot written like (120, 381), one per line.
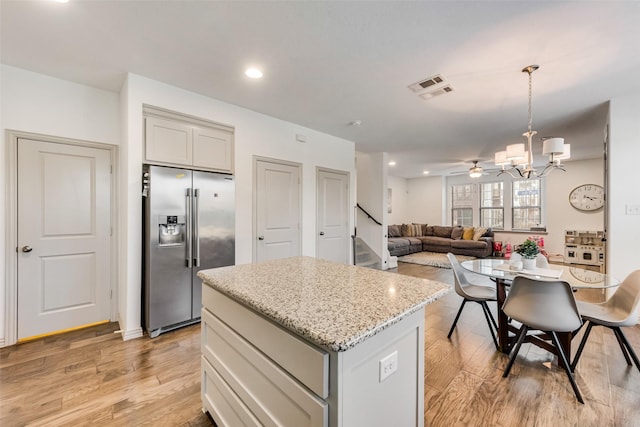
(529, 250)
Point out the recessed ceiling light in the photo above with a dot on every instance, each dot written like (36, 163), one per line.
(253, 73)
(356, 123)
(392, 163)
(425, 172)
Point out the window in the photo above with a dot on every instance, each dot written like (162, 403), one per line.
(526, 204)
(492, 205)
(462, 205)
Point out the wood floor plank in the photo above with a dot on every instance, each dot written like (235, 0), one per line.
(445, 410)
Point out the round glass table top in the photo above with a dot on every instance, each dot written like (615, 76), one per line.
(577, 277)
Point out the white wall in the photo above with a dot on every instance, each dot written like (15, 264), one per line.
(32, 102)
(426, 202)
(399, 200)
(561, 216)
(35, 103)
(623, 155)
(372, 196)
(255, 135)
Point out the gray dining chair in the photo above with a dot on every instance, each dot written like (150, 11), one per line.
(618, 311)
(472, 292)
(547, 306)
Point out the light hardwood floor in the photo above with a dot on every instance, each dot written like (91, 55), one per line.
(92, 377)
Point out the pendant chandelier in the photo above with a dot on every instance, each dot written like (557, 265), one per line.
(517, 160)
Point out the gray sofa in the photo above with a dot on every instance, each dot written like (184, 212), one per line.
(411, 238)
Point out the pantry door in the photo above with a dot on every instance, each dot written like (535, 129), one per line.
(64, 236)
(332, 205)
(277, 210)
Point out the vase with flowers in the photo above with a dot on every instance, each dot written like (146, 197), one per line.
(529, 250)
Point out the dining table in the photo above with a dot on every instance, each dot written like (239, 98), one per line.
(501, 272)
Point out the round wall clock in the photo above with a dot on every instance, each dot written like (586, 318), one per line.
(587, 197)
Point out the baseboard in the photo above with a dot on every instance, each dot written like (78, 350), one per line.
(1, 342)
(134, 333)
(131, 333)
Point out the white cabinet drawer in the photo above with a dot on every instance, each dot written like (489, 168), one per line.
(271, 395)
(221, 402)
(308, 364)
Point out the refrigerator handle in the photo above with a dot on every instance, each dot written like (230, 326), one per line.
(188, 247)
(196, 228)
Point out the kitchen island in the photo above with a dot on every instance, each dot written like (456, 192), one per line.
(307, 342)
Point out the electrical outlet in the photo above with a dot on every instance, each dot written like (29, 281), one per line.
(388, 365)
(632, 209)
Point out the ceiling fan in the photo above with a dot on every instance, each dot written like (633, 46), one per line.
(475, 171)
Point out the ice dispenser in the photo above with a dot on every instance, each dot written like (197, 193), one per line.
(171, 230)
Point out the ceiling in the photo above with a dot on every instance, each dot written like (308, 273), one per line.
(328, 64)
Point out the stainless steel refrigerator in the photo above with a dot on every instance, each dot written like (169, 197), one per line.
(189, 225)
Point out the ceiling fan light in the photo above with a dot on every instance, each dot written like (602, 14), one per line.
(515, 151)
(553, 146)
(475, 173)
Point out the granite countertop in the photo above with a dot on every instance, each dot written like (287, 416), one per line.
(335, 306)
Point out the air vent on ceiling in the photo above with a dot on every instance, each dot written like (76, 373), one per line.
(427, 83)
(431, 87)
(436, 92)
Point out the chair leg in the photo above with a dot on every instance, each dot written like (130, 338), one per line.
(581, 347)
(515, 350)
(565, 365)
(629, 348)
(490, 319)
(457, 317)
(616, 332)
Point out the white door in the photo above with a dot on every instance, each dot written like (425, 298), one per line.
(277, 210)
(64, 211)
(332, 216)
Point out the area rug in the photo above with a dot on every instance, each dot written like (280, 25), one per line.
(433, 259)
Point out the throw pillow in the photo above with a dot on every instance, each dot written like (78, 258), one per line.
(467, 233)
(428, 230)
(406, 230)
(479, 232)
(417, 229)
(442, 231)
(394, 231)
(456, 233)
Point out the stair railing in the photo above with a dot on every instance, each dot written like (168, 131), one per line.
(368, 214)
(353, 237)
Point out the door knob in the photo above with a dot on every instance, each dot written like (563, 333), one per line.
(322, 233)
(260, 237)
(27, 248)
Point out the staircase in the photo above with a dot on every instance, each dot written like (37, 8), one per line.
(365, 257)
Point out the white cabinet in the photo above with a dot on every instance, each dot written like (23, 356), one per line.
(255, 372)
(177, 140)
(251, 376)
